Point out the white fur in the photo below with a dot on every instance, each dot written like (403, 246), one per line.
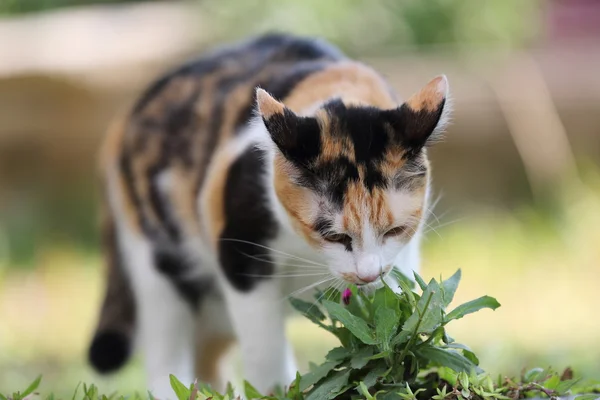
(258, 320)
(165, 324)
(373, 254)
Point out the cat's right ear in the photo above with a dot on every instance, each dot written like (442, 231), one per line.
(298, 138)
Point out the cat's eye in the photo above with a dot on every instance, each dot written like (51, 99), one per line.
(338, 238)
(397, 231)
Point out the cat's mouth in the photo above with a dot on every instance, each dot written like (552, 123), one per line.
(374, 284)
(370, 286)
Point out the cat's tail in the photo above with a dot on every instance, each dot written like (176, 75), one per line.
(112, 344)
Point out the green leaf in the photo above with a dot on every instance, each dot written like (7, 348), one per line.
(330, 388)
(449, 375)
(181, 391)
(446, 358)
(447, 338)
(467, 352)
(338, 353)
(552, 382)
(319, 373)
(588, 397)
(362, 389)
(564, 386)
(533, 374)
(309, 310)
(294, 389)
(386, 298)
(251, 392)
(420, 281)
(2, 397)
(361, 357)
(378, 371)
(408, 293)
(76, 390)
(400, 277)
(357, 326)
(386, 323)
(449, 287)
(472, 306)
(34, 385)
(382, 354)
(400, 338)
(429, 311)
(391, 396)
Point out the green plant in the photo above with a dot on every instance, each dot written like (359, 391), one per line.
(394, 345)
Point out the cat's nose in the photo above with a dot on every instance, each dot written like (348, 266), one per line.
(368, 268)
(368, 278)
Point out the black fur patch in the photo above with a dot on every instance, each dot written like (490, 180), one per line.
(298, 138)
(111, 346)
(323, 226)
(413, 128)
(365, 128)
(109, 351)
(248, 218)
(173, 265)
(337, 175)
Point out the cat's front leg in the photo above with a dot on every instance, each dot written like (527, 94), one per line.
(258, 319)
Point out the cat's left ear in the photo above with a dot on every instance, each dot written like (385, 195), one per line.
(422, 118)
(298, 138)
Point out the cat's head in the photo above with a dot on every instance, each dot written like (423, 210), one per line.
(354, 179)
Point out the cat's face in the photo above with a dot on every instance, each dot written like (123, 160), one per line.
(353, 179)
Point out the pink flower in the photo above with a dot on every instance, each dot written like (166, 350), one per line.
(346, 296)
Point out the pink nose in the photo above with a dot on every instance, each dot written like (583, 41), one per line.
(368, 278)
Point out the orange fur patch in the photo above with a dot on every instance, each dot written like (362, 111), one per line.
(362, 206)
(210, 352)
(110, 152)
(267, 105)
(294, 199)
(430, 97)
(349, 80)
(183, 198)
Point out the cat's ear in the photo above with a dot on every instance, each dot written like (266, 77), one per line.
(423, 117)
(267, 105)
(298, 138)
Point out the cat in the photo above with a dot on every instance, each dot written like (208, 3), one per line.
(270, 158)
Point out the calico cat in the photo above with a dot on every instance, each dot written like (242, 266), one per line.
(275, 154)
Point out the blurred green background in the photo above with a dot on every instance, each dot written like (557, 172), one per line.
(518, 178)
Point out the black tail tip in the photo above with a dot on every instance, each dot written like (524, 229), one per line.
(109, 351)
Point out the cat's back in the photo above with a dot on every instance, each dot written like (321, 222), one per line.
(174, 140)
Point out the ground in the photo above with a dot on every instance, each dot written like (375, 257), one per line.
(543, 270)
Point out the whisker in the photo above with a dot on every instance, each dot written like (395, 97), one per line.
(337, 286)
(283, 275)
(273, 250)
(281, 264)
(318, 299)
(433, 206)
(450, 222)
(295, 258)
(431, 228)
(304, 289)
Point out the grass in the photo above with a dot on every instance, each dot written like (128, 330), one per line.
(543, 270)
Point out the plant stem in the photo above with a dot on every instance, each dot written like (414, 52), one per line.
(413, 338)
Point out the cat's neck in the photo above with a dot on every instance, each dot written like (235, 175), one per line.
(352, 82)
